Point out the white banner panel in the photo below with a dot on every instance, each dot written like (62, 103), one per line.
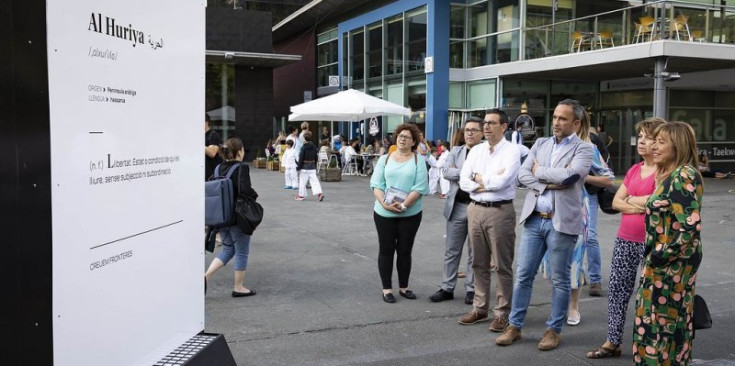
(126, 94)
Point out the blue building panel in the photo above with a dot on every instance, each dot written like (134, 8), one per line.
(437, 82)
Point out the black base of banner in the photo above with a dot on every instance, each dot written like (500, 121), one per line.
(204, 349)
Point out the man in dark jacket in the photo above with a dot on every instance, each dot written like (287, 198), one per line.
(306, 166)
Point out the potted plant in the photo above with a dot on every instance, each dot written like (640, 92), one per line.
(259, 161)
(271, 163)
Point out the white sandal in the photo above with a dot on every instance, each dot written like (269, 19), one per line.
(572, 320)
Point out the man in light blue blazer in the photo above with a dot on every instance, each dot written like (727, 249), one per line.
(554, 172)
(455, 211)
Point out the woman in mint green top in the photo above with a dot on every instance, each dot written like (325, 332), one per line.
(403, 175)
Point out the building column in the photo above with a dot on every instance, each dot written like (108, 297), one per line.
(659, 90)
(437, 82)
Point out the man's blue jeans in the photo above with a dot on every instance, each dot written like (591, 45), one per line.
(592, 246)
(538, 237)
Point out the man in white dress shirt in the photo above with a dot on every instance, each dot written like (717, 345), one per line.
(489, 175)
(517, 136)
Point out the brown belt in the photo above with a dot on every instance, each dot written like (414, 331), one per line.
(544, 215)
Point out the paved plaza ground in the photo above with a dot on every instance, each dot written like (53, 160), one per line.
(318, 302)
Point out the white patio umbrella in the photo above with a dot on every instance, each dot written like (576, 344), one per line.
(349, 105)
(221, 114)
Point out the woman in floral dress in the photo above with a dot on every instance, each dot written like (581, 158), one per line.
(663, 329)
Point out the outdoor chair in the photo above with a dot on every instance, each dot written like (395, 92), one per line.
(606, 39)
(644, 29)
(350, 167)
(681, 27)
(323, 159)
(698, 36)
(577, 40)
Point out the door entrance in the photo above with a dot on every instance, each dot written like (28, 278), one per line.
(619, 124)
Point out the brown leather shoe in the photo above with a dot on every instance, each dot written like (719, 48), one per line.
(499, 324)
(549, 341)
(596, 289)
(473, 317)
(510, 335)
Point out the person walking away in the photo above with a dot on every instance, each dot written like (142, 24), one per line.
(235, 243)
(662, 329)
(306, 167)
(289, 164)
(630, 200)
(553, 172)
(455, 211)
(398, 184)
(489, 176)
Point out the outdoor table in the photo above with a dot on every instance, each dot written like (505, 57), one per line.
(368, 160)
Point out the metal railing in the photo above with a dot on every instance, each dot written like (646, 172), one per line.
(658, 20)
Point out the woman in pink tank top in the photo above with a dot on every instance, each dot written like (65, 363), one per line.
(630, 200)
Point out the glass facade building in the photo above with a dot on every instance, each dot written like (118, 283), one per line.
(516, 54)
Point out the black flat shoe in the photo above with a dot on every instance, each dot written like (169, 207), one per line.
(408, 294)
(243, 294)
(389, 298)
(441, 295)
